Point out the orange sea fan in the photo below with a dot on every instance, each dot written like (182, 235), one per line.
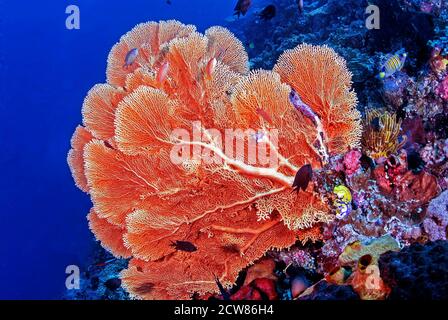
(151, 233)
(219, 91)
(312, 234)
(98, 110)
(153, 281)
(111, 236)
(227, 48)
(231, 210)
(199, 92)
(260, 100)
(321, 77)
(148, 38)
(307, 210)
(121, 183)
(185, 81)
(216, 255)
(142, 77)
(75, 157)
(145, 109)
(188, 215)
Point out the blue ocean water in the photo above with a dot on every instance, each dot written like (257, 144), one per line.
(45, 72)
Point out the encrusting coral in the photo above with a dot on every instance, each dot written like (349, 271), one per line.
(185, 222)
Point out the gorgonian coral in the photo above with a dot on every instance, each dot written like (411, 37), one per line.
(323, 81)
(179, 95)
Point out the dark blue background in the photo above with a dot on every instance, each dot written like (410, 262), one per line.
(45, 72)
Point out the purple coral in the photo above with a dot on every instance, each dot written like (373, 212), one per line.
(435, 153)
(442, 89)
(445, 148)
(395, 88)
(352, 162)
(297, 258)
(404, 233)
(436, 220)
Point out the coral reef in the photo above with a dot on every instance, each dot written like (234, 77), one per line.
(359, 190)
(352, 162)
(436, 220)
(100, 279)
(227, 212)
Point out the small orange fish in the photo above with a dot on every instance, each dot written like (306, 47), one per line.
(163, 72)
(210, 68)
(264, 115)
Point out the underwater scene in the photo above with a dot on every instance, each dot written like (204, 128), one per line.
(227, 150)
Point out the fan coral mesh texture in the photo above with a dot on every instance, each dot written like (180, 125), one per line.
(231, 211)
(322, 79)
(75, 156)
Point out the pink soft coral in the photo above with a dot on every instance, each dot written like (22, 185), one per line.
(442, 89)
(352, 162)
